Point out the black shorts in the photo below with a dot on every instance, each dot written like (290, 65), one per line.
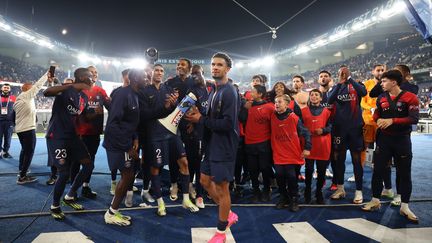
(62, 152)
(351, 139)
(219, 171)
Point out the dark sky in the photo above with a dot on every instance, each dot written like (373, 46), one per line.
(126, 27)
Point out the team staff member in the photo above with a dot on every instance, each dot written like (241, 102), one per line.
(220, 140)
(121, 141)
(397, 111)
(25, 121)
(7, 120)
(317, 120)
(347, 130)
(64, 146)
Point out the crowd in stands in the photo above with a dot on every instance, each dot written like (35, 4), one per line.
(416, 54)
(16, 71)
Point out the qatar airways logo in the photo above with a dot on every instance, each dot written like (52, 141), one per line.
(347, 97)
(73, 111)
(93, 104)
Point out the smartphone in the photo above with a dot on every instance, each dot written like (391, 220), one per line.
(52, 71)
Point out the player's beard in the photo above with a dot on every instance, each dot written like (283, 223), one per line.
(218, 80)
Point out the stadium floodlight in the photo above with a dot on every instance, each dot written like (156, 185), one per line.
(116, 63)
(319, 43)
(5, 26)
(44, 43)
(96, 60)
(339, 35)
(83, 57)
(302, 49)
(239, 65)
(385, 14)
(269, 61)
(398, 7)
(137, 63)
(255, 64)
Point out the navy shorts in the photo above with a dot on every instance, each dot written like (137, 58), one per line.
(351, 139)
(157, 153)
(62, 152)
(219, 171)
(177, 149)
(118, 160)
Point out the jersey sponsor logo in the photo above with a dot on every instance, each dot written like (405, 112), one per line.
(73, 111)
(93, 104)
(325, 104)
(347, 97)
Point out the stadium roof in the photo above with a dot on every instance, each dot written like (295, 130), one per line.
(357, 43)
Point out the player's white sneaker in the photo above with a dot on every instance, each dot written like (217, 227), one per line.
(117, 219)
(187, 204)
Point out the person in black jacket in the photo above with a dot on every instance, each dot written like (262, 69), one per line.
(221, 137)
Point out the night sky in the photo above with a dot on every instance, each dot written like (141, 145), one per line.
(124, 28)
